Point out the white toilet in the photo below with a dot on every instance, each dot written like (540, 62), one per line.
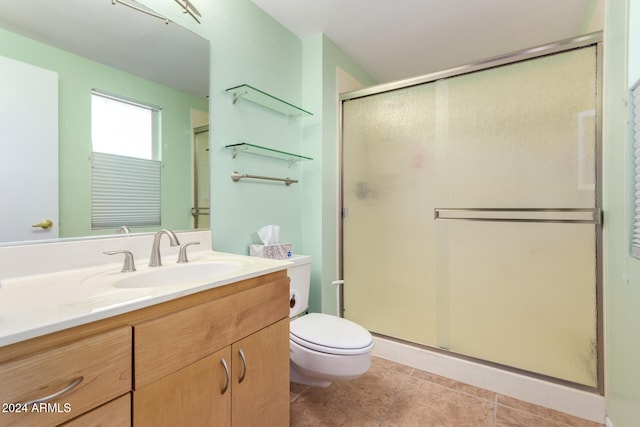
(323, 348)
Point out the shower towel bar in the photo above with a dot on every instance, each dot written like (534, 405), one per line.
(535, 215)
(237, 176)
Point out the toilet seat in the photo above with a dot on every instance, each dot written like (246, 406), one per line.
(330, 334)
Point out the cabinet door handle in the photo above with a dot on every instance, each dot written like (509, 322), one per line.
(244, 366)
(226, 373)
(57, 394)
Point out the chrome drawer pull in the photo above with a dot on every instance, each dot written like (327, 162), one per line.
(226, 373)
(244, 366)
(57, 394)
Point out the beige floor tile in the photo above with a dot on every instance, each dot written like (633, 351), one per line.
(373, 393)
(465, 388)
(423, 403)
(550, 414)
(394, 395)
(309, 410)
(510, 417)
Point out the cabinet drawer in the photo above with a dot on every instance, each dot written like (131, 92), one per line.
(168, 343)
(93, 371)
(116, 413)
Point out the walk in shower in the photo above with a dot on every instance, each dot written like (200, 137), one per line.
(471, 218)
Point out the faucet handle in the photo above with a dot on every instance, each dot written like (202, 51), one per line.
(182, 255)
(123, 229)
(129, 265)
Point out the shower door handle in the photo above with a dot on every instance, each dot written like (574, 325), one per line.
(540, 215)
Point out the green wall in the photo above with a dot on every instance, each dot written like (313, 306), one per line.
(321, 135)
(248, 46)
(77, 77)
(622, 272)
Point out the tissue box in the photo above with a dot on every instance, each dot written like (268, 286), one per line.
(276, 251)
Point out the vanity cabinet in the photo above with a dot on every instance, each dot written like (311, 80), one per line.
(220, 363)
(84, 374)
(161, 365)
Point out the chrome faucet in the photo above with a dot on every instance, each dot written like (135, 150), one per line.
(155, 261)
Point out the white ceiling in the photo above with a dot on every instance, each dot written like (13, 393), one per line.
(398, 39)
(390, 39)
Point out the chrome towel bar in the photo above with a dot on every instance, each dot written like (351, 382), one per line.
(237, 176)
(549, 215)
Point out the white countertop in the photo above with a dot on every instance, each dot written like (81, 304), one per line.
(35, 305)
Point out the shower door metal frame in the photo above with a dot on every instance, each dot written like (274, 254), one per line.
(592, 39)
(198, 210)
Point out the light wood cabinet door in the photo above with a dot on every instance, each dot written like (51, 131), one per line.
(261, 378)
(196, 395)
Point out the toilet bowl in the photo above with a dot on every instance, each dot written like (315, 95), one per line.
(323, 348)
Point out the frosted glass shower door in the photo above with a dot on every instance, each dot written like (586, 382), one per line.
(471, 214)
(389, 191)
(521, 292)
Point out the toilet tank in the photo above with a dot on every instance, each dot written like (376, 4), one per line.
(300, 275)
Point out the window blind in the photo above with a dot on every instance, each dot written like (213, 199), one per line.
(125, 191)
(635, 131)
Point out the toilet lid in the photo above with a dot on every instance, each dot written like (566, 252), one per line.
(331, 334)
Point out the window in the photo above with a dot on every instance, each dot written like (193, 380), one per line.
(635, 132)
(125, 163)
(123, 127)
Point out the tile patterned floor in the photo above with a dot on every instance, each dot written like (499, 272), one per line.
(394, 395)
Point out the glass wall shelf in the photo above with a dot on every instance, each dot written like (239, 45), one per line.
(269, 101)
(245, 147)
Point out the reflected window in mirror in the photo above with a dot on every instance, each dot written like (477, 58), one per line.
(124, 127)
(125, 163)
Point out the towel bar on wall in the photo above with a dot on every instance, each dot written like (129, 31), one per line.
(237, 176)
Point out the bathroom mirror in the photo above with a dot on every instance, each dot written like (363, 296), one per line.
(131, 53)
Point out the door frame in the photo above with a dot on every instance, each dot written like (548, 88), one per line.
(197, 210)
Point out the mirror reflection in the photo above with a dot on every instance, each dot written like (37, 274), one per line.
(53, 58)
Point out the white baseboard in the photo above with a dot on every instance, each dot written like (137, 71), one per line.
(608, 422)
(561, 398)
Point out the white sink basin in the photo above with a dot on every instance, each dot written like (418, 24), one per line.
(177, 274)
